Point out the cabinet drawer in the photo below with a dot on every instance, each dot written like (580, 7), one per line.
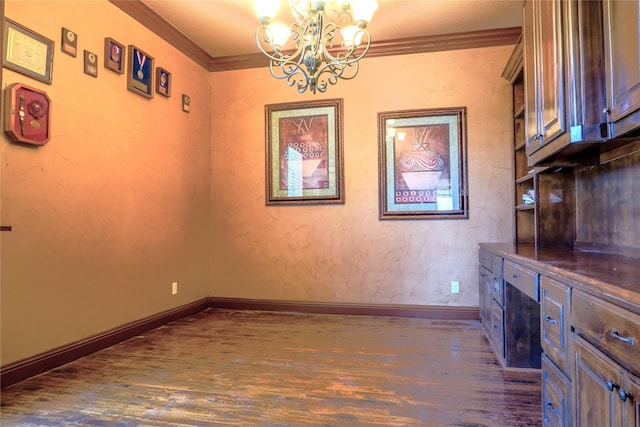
(498, 289)
(496, 265)
(486, 260)
(614, 330)
(522, 278)
(554, 321)
(497, 328)
(556, 396)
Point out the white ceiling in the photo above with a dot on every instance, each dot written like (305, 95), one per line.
(227, 27)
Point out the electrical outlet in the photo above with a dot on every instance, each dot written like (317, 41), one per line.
(174, 288)
(455, 287)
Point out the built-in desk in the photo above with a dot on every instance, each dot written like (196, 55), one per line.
(586, 321)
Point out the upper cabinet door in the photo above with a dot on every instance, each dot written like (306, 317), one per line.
(622, 53)
(544, 62)
(551, 66)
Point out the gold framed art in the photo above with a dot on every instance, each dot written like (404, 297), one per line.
(423, 164)
(304, 153)
(27, 52)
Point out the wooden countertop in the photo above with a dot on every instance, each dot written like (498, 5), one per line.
(610, 277)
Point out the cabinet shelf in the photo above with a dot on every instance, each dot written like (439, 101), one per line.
(518, 112)
(526, 207)
(525, 178)
(520, 145)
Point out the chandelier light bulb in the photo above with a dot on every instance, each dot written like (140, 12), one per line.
(352, 36)
(266, 8)
(280, 33)
(363, 10)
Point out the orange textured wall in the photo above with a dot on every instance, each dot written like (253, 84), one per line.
(344, 253)
(116, 206)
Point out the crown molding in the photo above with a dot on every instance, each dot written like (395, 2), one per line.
(455, 41)
(157, 24)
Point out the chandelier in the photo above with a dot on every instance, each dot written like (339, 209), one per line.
(330, 37)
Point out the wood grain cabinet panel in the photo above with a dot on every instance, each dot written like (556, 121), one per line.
(564, 78)
(523, 279)
(556, 395)
(554, 321)
(614, 330)
(596, 382)
(622, 46)
(606, 361)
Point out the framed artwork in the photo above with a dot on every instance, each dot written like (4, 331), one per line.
(304, 153)
(163, 82)
(423, 164)
(69, 43)
(140, 72)
(186, 103)
(27, 52)
(27, 114)
(90, 63)
(114, 54)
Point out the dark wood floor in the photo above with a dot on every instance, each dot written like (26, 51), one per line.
(252, 368)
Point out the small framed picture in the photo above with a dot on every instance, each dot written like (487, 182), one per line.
(163, 82)
(114, 54)
(69, 42)
(140, 72)
(27, 52)
(186, 103)
(90, 63)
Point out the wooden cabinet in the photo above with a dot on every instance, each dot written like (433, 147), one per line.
(510, 311)
(622, 56)
(544, 198)
(524, 203)
(554, 321)
(491, 299)
(588, 325)
(556, 395)
(554, 332)
(564, 79)
(606, 362)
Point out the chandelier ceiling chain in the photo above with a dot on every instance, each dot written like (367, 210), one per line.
(328, 38)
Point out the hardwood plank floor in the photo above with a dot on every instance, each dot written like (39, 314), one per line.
(254, 368)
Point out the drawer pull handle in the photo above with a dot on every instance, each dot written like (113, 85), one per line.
(515, 277)
(611, 385)
(553, 410)
(550, 320)
(628, 340)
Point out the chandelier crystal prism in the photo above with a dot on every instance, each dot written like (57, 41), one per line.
(328, 38)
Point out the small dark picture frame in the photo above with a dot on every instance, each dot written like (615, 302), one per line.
(163, 82)
(114, 54)
(186, 103)
(140, 72)
(69, 42)
(90, 63)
